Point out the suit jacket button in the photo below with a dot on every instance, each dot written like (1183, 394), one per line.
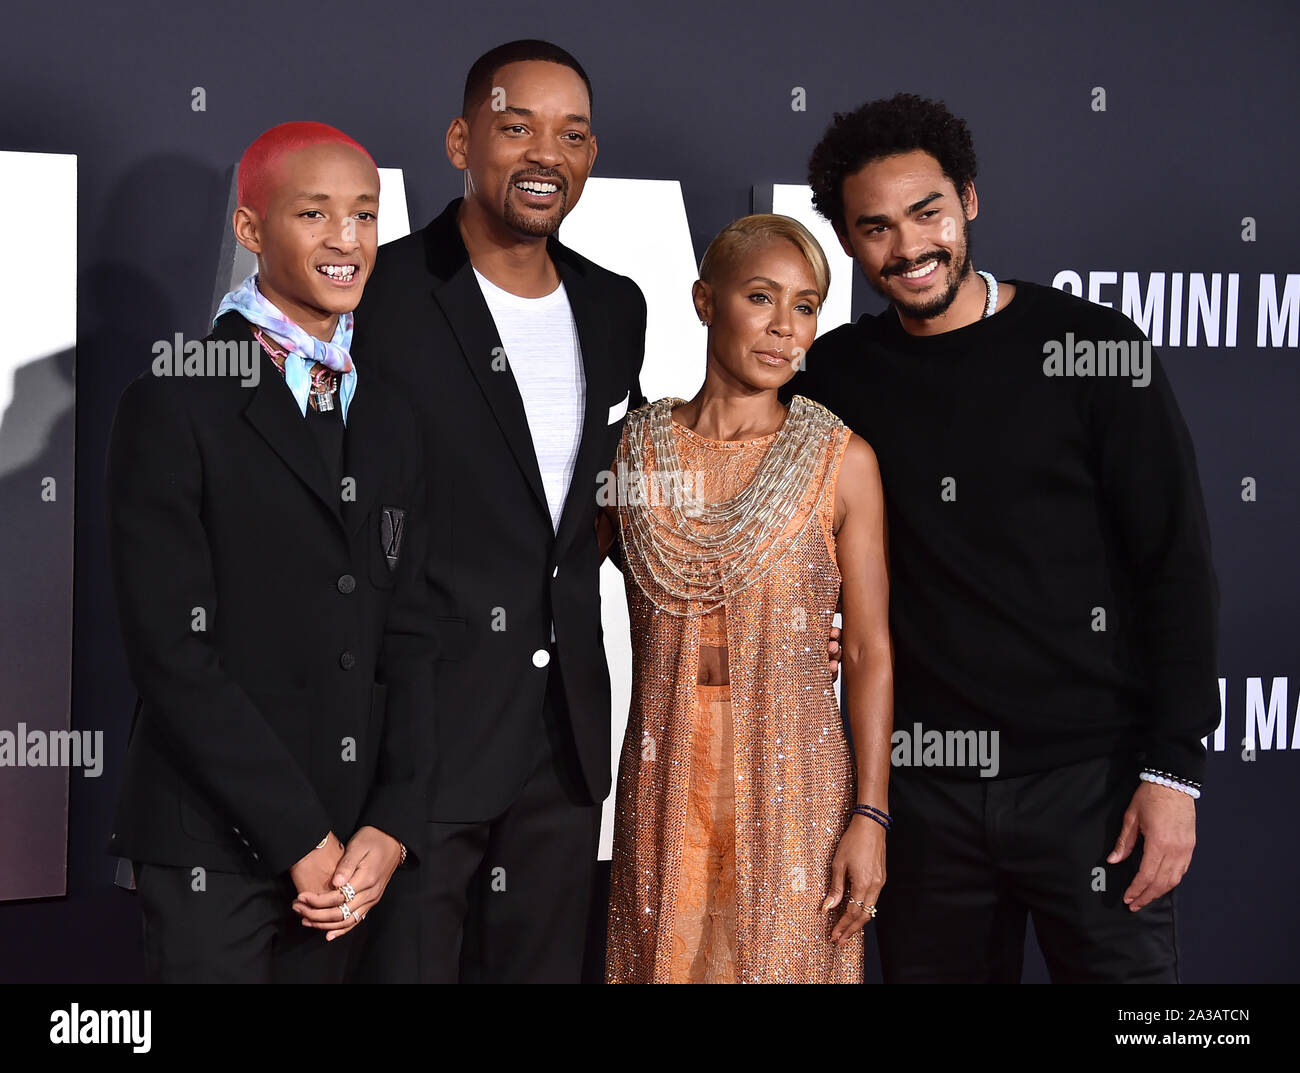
(347, 583)
(347, 661)
(541, 658)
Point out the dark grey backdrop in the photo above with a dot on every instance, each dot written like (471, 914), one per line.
(1198, 133)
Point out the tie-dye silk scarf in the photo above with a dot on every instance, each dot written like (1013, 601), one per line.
(304, 350)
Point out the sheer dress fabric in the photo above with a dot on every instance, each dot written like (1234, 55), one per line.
(731, 798)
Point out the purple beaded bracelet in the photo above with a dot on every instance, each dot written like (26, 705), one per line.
(872, 813)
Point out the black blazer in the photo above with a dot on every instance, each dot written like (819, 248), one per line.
(494, 558)
(283, 662)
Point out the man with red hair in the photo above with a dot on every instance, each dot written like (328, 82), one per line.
(260, 166)
(267, 543)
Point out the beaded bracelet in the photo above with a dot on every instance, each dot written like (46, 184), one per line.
(872, 813)
(1171, 775)
(878, 811)
(1174, 784)
(871, 816)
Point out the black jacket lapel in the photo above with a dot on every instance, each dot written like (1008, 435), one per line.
(364, 444)
(593, 339)
(274, 412)
(467, 312)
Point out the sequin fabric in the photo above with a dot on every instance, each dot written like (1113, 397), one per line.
(790, 769)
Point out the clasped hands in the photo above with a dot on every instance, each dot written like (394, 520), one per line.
(338, 885)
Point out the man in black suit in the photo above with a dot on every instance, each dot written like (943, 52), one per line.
(521, 358)
(268, 553)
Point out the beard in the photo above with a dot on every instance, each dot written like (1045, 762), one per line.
(929, 308)
(528, 224)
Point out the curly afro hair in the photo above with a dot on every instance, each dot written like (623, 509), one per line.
(901, 124)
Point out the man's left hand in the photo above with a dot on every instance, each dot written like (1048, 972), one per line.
(1166, 820)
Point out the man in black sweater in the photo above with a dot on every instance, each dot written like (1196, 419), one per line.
(1054, 603)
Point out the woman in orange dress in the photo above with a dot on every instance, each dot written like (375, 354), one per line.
(743, 820)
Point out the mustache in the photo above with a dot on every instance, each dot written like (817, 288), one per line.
(942, 256)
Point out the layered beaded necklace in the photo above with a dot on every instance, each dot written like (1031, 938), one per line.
(699, 552)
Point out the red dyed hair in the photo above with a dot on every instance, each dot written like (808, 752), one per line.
(258, 165)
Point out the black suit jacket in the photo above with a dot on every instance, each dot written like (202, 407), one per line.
(499, 572)
(284, 667)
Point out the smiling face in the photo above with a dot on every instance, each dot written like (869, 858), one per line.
(527, 147)
(909, 232)
(316, 241)
(762, 313)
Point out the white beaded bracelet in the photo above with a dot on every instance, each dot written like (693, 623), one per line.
(1173, 784)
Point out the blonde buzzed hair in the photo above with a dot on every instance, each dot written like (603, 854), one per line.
(750, 232)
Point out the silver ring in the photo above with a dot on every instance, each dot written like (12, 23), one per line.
(348, 892)
(346, 911)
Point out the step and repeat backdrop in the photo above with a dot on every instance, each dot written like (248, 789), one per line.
(1140, 157)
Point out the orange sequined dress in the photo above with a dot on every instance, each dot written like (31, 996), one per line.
(732, 797)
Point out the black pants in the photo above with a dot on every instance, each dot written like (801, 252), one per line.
(231, 928)
(968, 860)
(505, 900)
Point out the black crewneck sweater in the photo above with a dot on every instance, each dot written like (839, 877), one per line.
(1025, 512)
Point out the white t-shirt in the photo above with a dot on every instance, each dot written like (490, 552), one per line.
(541, 343)
(541, 346)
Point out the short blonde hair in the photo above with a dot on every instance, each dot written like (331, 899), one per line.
(750, 232)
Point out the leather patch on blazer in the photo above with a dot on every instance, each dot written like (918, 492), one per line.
(392, 527)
